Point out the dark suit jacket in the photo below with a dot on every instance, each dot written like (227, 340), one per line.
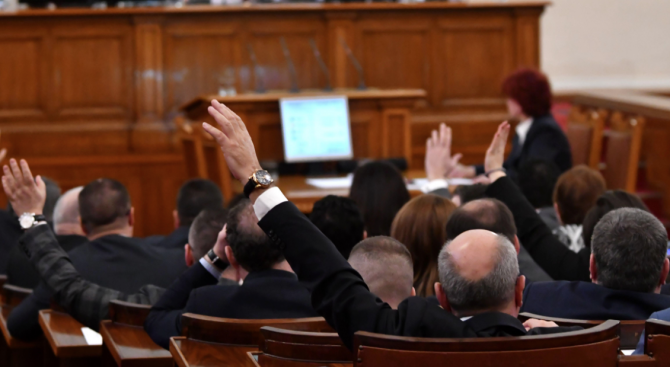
(545, 140)
(268, 294)
(120, 263)
(10, 231)
(175, 240)
(588, 301)
(342, 298)
(20, 271)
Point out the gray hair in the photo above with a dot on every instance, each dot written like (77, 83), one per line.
(66, 210)
(492, 291)
(630, 247)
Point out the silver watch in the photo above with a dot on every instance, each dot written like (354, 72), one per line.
(29, 220)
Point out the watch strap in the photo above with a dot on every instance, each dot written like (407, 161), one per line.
(40, 218)
(216, 261)
(250, 187)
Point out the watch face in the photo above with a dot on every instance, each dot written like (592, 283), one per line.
(26, 221)
(263, 177)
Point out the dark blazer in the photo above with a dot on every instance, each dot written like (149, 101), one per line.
(549, 252)
(10, 231)
(20, 271)
(268, 294)
(342, 298)
(588, 301)
(121, 263)
(175, 240)
(545, 140)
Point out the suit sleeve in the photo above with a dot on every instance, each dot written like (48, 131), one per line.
(338, 292)
(547, 251)
(23, 322)
(164, 320)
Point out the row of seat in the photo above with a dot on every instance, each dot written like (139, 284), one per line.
(209, 341)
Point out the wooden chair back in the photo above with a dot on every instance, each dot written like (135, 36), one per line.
(585, 134)
(127, 313)
(290, 348)
(203, 156)
(14, 352)
(622, 152)
(657, 341)
(594, 347)
(242, 332)
(629, 331)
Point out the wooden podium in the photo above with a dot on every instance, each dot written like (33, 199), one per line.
(380, 128)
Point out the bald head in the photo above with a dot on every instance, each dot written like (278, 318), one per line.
(478, 271)
(66, 213)
(386, 267)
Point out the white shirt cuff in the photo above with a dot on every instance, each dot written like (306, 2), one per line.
(210, 268)
(433, 185)
(268, 200)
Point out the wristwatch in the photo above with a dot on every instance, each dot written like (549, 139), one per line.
(29, 220)
(260, 178)
(216, 261)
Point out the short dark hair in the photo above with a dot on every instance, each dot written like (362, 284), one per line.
(607, 202)
(340, 220)
(576, 192)
(531, 89)
(252, 248)
(103, 201)
(380, 191)
(468, 193)
(205, 230)
(629, 247)
(194, 196)
(488, 214)
(537, 178)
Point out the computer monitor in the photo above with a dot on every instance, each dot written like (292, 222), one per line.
(316, 129)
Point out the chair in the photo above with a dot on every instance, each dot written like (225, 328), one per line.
(68, 346)
(125, 343)
(585, 133)
(657, 341)
(290, 348)
(213, 341)
(629, 331)
(594, 347)
(203, 156)
(14, 352)
(622, 152)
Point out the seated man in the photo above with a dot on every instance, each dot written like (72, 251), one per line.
(68, 233)
(270, 291)
(492, 215)
(194, 196)
(386, 267)
(111, 258)
(340, 220)
(628, 268)
(338, 292)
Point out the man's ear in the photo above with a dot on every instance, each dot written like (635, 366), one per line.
(131, 217)
(517, 244)
(593, 269)
(558, 214)
(175, 219)
(442, 298)
(413, 292)
(664, 272)
(188, 255)
(231, 257)
(518, 291)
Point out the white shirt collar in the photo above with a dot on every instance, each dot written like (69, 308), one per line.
(522, 129)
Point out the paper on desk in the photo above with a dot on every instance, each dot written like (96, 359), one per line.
(417, 183)
(92, 338)
(331, 183)
(461, 181)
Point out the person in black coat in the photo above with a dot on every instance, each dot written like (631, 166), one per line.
(538, 135)
(270, 290)
(68, 233)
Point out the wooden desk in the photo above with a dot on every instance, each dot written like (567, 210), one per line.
(68, 345)
(195, 353)
(14, 352)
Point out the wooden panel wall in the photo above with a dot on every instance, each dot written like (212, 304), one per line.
(81, 86)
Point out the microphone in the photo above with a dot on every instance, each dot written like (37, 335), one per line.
(357, 66)
(322, 64)
(291, 67)
(258, 70)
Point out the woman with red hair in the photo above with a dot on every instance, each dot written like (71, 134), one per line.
(538, 135)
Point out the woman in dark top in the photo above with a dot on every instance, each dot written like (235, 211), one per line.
(538, 135)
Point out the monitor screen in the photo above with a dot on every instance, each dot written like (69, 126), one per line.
(316, 129)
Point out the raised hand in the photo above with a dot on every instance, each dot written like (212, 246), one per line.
(495, 155)
(27, 195)
(439, 162)
(234, 140)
